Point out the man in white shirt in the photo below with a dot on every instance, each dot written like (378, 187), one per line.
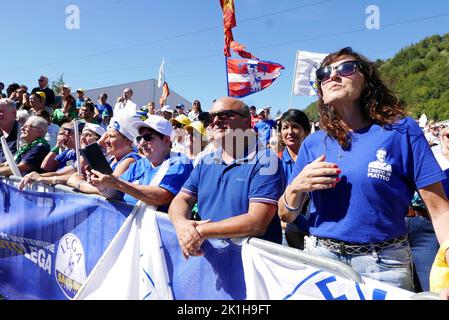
(126, 107)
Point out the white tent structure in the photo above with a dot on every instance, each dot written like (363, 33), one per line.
(144, 91)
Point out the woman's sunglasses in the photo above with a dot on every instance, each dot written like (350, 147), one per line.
(344, 69)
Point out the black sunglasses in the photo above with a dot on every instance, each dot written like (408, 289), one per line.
(344, 69)
(224, 115)
(146, 137)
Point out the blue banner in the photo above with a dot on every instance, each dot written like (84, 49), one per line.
(49, 242)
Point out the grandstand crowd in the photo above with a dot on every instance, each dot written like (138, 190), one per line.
(366, 185)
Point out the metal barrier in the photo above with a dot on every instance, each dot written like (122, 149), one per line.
(336, 267)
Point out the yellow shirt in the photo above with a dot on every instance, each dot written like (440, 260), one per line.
(439, 275)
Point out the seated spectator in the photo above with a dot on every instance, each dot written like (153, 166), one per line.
(52, 130)
(196, 140)
(167, 112)
(30, 156)
(22, 116)
(178, 136)
(91, 133)
(43, 86)
(180, 109)
(236, 187)
(63, 154)
(80, 100)
(66, 113)
(118, 142)
(134, 184)
(86, 112)
(37, 102)
(9, 127)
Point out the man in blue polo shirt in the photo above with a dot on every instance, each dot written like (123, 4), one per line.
(236, 187)
(264, 126)
(134, 184)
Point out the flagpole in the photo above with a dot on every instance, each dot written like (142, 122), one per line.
(294, 77)
(227, 78)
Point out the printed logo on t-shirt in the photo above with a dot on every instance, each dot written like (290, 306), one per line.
(380, 169)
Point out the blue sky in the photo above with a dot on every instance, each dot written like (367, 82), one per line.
(123, 41)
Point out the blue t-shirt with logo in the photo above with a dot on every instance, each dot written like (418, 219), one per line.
(226, 190)
(66, 158)
(142, 172)
(380, 173)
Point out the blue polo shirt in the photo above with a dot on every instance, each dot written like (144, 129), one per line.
(263, 128)
(66, 158)
(132, 155)
(142, 172)
(370, 202)
(226, 190)
(101, 108)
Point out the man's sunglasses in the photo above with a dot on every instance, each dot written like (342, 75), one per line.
(344, 69)
(146, 137)
(224, 115)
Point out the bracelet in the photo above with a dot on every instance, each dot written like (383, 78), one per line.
(287, 206)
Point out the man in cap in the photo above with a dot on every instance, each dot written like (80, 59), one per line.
(236, 187)
(180, 109)
(135, 183)
(80, 100)
(126, 105)
(43, 86)
(101, 106)
(264, 127)
(167, 112)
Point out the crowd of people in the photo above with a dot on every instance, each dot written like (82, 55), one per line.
(368, 187)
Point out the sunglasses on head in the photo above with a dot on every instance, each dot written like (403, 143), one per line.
(146, 137)
(344, 69)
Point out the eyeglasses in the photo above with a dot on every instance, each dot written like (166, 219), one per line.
(40, 80)
(224, 115)
(146, 137)
(344, 69)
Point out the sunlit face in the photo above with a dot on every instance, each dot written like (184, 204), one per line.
(30, 132)
(292, 135)
(224, 124)
(88, 137)
(155, 147)
(342, 89)
(7, 113)
(116, 143)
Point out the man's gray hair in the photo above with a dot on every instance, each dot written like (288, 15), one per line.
(38, 122)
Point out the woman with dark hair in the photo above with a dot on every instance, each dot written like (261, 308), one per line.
(66, 113)
(195, 112)
(294, 127)
(361, 171)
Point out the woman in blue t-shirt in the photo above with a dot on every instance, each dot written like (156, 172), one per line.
(361, 171)
(294, 127)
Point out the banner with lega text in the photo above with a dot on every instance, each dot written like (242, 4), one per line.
(53, 244)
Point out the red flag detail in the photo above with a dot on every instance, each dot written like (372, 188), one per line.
(165, 94)
(247, 76)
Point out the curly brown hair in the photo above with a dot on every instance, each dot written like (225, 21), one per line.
(377, 102)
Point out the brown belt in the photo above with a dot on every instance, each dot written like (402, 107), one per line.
(417, 212)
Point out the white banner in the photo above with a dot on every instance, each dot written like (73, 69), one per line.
(304, 78)
(273, 277)
(161, 78)
(133, 267)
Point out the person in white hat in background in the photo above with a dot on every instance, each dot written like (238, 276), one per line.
(134, 184)
(167, 112)
(118, 141)
(80, 100)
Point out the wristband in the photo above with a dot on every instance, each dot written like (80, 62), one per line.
(287, 206)
(55, 149)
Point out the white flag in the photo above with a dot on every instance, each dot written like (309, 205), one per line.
(161, 80)
(306, 65)
(422, 120)
(9, 158)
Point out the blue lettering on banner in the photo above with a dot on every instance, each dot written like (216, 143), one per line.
(322, 285)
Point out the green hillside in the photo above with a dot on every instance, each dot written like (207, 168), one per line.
(419, 75)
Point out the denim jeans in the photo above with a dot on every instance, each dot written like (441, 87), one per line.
(424, 245)
(392, 266)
